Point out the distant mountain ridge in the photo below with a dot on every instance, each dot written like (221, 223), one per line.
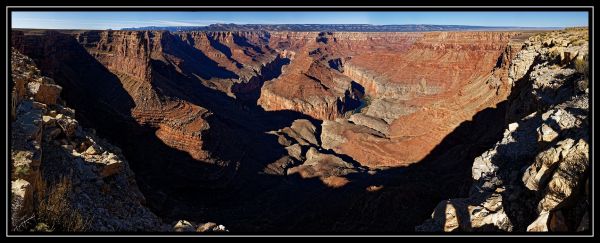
(334, 27)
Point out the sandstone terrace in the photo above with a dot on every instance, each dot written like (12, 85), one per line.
(207, 94)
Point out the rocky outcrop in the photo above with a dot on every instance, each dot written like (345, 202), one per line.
(324, 166)
(400, 101)
(307, 159)
(306, 86)
(129, 74)
(167, 66)
(405, 77)
(183, 127)
(186, 226)
(374, 123)
(222, 123)
(319, 107)
(127, 52)
(537, 177)
(64, 177)
(301, 132)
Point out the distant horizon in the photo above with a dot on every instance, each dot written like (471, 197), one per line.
(119, 20)
(199, 26)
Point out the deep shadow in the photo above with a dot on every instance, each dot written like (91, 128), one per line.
(233, 190)
(249, 92)
(194, 61)
(354, 98)
(223, 49)
(243, 42)
(336, 64)
(254, 201)
(220, 47)
(60, 56)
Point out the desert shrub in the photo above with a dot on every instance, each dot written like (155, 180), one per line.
(56, 213)
(582, 66)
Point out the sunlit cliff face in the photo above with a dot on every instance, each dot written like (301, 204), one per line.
(212, 117)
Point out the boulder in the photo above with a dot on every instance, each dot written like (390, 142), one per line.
(546, 133)
(468, 214)
(549, 222)
(540, 224)
(184, 226)
(67, 124)
(211, 227)
(93, 149)
(111, 165)
(48, 120)
(48, 94)
(566, 180)
(536, 176)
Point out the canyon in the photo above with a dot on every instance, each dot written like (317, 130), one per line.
(293, 131)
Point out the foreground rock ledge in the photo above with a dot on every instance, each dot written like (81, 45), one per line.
(536, 178)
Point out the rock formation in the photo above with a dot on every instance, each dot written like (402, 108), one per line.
(307, 158)
(272, 130)
(536, 178)
(433, 90)
(63, 172)
(64, 177)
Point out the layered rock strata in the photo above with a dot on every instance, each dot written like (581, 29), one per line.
(230, 123)
(441, 78)
(58, 165)
(537, 177)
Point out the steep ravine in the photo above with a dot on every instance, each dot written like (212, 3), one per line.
(252, 130)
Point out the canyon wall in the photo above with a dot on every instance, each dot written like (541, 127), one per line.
(228, 123)
(420, 93)
(536, 178)
(128, 67)
(406, 77)
(63, 176)
(387, 82)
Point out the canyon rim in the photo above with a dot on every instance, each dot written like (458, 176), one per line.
(300, 128)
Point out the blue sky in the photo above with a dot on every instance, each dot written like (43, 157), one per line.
(117, 20)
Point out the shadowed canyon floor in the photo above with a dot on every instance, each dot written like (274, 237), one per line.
(289, 131)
